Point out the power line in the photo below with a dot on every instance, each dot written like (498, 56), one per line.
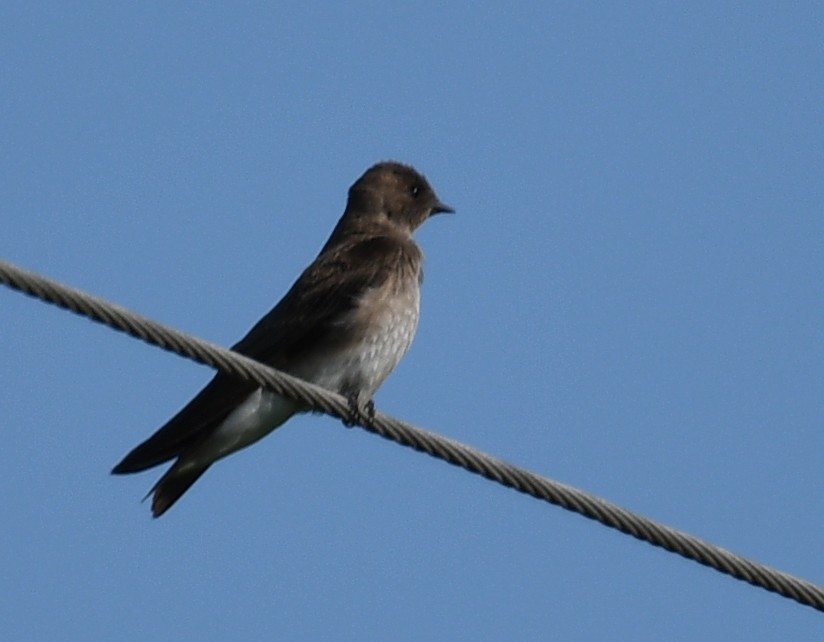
(451, 451)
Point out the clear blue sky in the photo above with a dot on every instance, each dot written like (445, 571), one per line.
(629, 300)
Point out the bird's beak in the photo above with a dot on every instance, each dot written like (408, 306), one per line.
(440, 208)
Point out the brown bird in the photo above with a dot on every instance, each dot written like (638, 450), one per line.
(344, 325)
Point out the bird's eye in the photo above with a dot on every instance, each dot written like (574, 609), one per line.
(415, 190)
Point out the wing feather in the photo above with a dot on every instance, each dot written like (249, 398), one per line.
(306, 320)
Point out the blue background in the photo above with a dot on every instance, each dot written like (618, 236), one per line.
(629, 300)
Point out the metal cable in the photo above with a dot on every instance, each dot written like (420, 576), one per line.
(405, 434)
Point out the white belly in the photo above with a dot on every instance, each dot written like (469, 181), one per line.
(256, 417)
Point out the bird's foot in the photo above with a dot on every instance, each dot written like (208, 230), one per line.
(369, 409)
(359, 413)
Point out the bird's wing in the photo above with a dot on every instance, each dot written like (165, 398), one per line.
(307, 318)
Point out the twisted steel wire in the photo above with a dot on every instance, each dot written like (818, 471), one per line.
(448, 450)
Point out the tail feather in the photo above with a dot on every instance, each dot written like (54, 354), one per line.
(169, 488)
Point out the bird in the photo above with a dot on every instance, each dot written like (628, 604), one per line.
(344, 325)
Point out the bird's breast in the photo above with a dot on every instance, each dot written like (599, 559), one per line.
(389, 339)
(382, 327)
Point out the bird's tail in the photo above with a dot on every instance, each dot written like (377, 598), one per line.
(169, 488)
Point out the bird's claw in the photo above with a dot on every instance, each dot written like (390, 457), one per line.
(369, 407)
(357, 413)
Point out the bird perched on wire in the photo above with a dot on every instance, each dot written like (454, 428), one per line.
(344, 325)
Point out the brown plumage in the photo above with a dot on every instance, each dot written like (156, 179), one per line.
(344, 324)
